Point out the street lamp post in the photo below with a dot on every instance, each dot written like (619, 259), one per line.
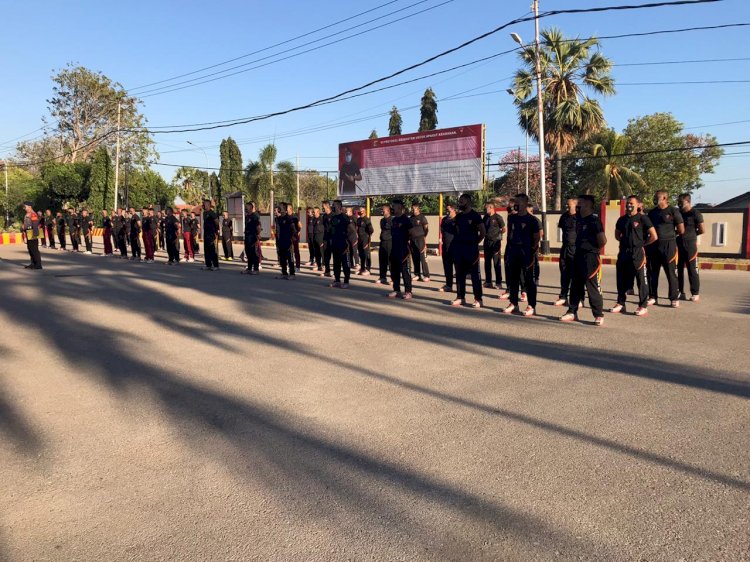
(208, 173)
(526, 134)
(540, 117)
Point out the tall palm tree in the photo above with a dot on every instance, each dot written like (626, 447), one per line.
(570, 68)
(259, 175)
(607, 174)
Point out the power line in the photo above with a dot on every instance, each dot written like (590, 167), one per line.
(207, 78)
(334, 24)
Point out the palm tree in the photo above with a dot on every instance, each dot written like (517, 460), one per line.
(259, 176)
(568, 68)
(606, 174)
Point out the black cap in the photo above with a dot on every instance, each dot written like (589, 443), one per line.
(27, 204)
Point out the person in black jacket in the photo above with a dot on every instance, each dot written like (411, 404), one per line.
(74, 229)
(327, 252)
(494, 225)
(135, 231)
(342, 230)
(364, 239)
(49, 225)
(310, 234)
(401, 226)
(253, 229)
(448, 232)
(227, 235)
(419, 229)
(318, 239)
(61, 225)
(386, 244)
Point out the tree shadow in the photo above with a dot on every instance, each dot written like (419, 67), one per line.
(13, 426)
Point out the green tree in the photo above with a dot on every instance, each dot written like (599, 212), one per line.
(83, 117)
(147, 187)
(671, 163)
(67, 184)
(22, 186)
(230, 173)
(191, 184)
(373, 134)
(395, 122)
(101, 182)
(259, 180)
(607, 175)
(569, 70)
(428, 111)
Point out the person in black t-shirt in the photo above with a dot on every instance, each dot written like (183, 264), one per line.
(61, 224)
(211, 230)
(317, 246)
(172, 228)
(134, 233)
(285, 231)
(448, 234)
(49, 225)
(342, 230)
(296, 237)
(522, 246)
(386, 244)
(327, 251)
(470, 231)
(567, 225)
(353, 254)
(494, 225)
(634, 230)
(667, 221)
(120, 223)
(419, 229)
(310, 234)
(687, 248)
(350, 174)
(587, 263)
(227, 236)
(401, 227)
(252, 239)
(364, 237)
(74, 229)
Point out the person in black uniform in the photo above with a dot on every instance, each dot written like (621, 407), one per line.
(87, 229)
(31, 235)
(121, 232)
(511, 210)
(317, 246)
(567, 225)
(470, 231)
(252, 239)
(494, 225)
(350, 174)
(663, 254)
(74, 229)
(134, 233)
(401, 228)
(327, 215)
(364, 239)
(448, 233)
(61, 224)
(353, 255)
(210, 237)
(161, 219)
(386, 244)
(49, 225)
(523, 244)
(297, 235)
(195, 231)
(634, 231)
(310, 234)
(342, 229)
(687, 248)
(172, 227)
(587, 263)
(285, 231)
(419, 229)
(227, 235)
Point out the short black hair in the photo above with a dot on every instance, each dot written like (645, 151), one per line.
(685, 197)
(338, 201)
(398, 202)
(587, 197)
(325, 202)
(522, 196)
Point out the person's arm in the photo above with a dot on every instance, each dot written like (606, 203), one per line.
(369, 228)
(700, 226)
(618, 235)
(679, 222)
(652, 236)
(601, 240)
(482, 231)
(425, 225)
(503, 228)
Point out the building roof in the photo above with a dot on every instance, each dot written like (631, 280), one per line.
(736, 202)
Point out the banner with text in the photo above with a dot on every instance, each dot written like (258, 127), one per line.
(439, 161)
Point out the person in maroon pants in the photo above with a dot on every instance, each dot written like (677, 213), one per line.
(107, 224)
(187, 236)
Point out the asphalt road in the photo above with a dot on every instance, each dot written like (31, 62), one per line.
(165, 413)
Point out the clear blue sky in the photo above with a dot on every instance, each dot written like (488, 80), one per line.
(140, 42)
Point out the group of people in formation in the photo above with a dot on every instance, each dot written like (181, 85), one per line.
(665, 239)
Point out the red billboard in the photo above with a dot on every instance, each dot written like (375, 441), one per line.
(439, 161)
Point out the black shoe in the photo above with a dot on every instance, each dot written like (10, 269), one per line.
(37, 267)
(30, 266)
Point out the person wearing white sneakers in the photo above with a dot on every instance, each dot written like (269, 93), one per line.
(523, 243)
(470, 231)
(667, 221)
(448, 234)
(634, 230)
(386, 244)
(567, 225)
(590, 239)
(364, 238)
(494, 226)
(341, 230)
(687, 248)
(87, 229)
(419, 229)
(400, 252)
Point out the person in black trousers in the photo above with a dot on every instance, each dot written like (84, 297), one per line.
(687, 248)
(494, 226)
(419, 229)
(31, 235)
(252, 239)
(49, 225)
(171, 229)
(470, 230)
(310, 235)
(523, 243)
(318, 243)
(364, 239)
(135, 231)
(448, 231)
(61, 224)
(668, 222)
(386, 244)
(210, 237)
(227, 235)
(567, 225)
(342, 232)
(400, 252)
(327, 252)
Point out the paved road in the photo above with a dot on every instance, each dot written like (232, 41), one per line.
(164, 413)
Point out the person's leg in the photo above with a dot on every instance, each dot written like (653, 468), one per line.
(654, 269)
(292, 260)
(423, 259)
(395, 267)
(692, 267)
(461, 272)
(476, 277)
(346, 266)
(214, 253)
(623, 270)
(327, 254)
(107, 242)
(36, 258)
(577, 287)
(297, 259)
(530, 279)
(384, 259)
(682, 260)
(513, 269)
(406, 273)
(63, 241)
(641, 278)
(670, 268)
(362, 258)
(89, 244)
(337, 265)
(448, 268)
(416, 257)
(368, 258)
(52, 238)
(487, 249)
(593, 287)
(496, 264)
(224, 248)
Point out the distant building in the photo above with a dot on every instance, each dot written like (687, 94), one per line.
(739, 202)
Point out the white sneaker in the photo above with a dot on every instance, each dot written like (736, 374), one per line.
(617, 309)
(651, 302)
(561, 302)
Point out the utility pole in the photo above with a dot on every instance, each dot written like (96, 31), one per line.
(297, 180)
(540, 110)
(7, 206)
(117, 154)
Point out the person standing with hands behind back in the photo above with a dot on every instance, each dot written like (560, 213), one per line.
(667, 221)
(210, 237)
(687, 248)
(227, 235)
(31, 235)
(470, 231)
